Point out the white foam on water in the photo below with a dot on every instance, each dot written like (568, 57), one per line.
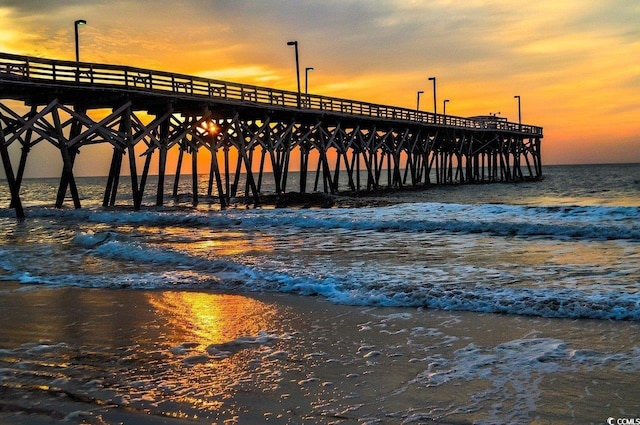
(589, 222)
(515, 370)
(354, 244)
(440, 290)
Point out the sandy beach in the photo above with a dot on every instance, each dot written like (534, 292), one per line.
(121, 356)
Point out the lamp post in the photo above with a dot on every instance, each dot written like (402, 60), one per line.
(295, 45)
(418, 102)
(76, 24)
(435, 111)
(519, 113)
(444, 110)
(306, 79)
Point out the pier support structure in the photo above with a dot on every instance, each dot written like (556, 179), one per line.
(335, 144)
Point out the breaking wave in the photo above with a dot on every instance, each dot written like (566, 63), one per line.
(579, 222)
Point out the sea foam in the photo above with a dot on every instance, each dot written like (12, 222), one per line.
(350, 272)
(579, 222)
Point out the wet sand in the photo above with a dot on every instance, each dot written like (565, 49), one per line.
(163, 357)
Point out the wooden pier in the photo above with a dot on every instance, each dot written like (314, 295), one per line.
(395, 147)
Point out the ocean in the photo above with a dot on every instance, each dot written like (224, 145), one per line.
(493, 303)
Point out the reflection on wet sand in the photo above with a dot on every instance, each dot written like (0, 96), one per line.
(216, 342)
(136, 357)
(210, 318)
(169, 357)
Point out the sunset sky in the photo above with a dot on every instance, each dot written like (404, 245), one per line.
(575, 63)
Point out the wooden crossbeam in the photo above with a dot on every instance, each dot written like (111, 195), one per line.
(100, 127)
(32, 123)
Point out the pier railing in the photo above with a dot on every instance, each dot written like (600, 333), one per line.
(84, 74)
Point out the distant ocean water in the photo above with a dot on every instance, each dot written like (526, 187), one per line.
(567, 246)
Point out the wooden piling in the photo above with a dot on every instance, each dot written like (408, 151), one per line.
(13, 188)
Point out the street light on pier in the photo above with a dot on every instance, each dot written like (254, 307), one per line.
(295, 45)
(418, 102)
(76, 24)
(435, 110)
(519, 113)
(444, 110)
(306, 79)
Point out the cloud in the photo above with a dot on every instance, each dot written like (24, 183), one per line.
(259, 75)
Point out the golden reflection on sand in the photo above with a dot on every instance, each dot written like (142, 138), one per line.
(150, 350)
(196, 322)
(210, 318)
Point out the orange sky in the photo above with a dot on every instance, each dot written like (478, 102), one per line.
(574, 63)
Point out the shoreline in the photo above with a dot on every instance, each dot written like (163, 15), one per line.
(135, 356)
